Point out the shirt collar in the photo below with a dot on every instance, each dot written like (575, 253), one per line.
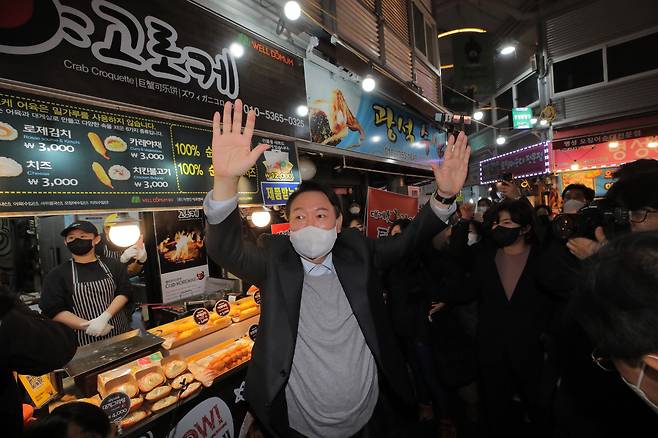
(317, 269)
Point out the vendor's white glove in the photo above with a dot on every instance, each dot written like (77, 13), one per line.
(99, 326)
(141, 255)
(128, 254)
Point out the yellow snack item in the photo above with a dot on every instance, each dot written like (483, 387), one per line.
(101, 174)
(248, 313)
(97, 143)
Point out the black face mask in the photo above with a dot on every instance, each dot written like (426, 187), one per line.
(503, 236)
(80, 246)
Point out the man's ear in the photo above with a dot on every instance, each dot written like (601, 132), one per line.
(97, 240)
(651, 360)
(339, 223)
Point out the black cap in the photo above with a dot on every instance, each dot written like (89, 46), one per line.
(85, 226)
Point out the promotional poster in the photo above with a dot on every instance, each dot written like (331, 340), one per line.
(383, 208)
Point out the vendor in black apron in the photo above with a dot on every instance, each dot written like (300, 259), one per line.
(87, 293)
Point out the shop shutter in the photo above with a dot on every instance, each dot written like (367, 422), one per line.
(358, 25)
(596, 23)
(636, 96)
(427, 79)
(397, 18)
(398, 55)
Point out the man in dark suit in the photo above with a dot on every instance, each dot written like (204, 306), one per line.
(325, 363)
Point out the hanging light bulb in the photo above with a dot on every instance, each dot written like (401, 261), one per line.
(543, 122)
(261, 218)
(236, 49)
(292, 10)
(575, 165)
(124, 231)
(478, 115)
(302, 111)
(507, 50)
(533, 121)
(501, 139)
(368, 84)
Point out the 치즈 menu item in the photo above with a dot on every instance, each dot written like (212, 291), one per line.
(58, 156)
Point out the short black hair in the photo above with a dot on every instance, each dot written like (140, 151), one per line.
(636, 191)
(544, 207)
(617, 303)
(487, 201)
(635, 167)
(587, 192)
(403, 223)
(521, 212)
(357, 219)
(312, 186)
(90, 418)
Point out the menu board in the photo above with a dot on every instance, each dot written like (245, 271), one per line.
(171, 55)
(59, 156)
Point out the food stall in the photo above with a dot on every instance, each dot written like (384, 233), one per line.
(119, 122)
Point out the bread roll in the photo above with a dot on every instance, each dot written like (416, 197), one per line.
(164, 403)
(158, 393)
(150, 381)
(133, 418)
(127, 388)
(175, 368)
(136, 403)
(191, 389)
(178, 381)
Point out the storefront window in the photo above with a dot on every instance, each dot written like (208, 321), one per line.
(527, 91)
(578, 71)
(504, 104)
(632, 57)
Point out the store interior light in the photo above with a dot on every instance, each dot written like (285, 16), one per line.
(236, 49)
(292, 10)
(653, 143)
(368, 84)
(462, 30)
(376, 138)
(478, 115)
(124, 231)
(543, 122)
(533, 121)
(302, 111)
(447, 66)
(575, 165)
(507, 49)
(261, 218)
(501, 139)
(613, 144)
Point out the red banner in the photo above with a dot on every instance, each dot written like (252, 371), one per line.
(280, 228)
(384, 208)
(602, 155)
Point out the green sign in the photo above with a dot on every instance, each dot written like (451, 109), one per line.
(521, 118)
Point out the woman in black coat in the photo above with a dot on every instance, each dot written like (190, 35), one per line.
(520, 297)
(30, 345)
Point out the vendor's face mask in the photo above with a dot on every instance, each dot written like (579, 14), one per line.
(80, 246)
(312, 242)
(637, 389)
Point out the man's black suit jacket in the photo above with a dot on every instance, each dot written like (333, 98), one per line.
(275, 267)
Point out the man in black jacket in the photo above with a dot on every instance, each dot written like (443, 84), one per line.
(23, 336)
(325, 357)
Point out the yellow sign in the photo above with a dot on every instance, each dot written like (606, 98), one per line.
(40, 389)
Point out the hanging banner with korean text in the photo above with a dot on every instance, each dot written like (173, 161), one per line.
(599, 180)
(168, 55)
(527, 161)
(57, 156)
(181, 253)
(383, 208)
(345, 117)
(599, 155)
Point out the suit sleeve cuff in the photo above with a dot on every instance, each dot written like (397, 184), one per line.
(217, 211)
(440, 211)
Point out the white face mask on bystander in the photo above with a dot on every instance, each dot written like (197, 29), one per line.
(637, 390)
(312, 242)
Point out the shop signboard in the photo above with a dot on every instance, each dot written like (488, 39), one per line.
(591, 156)
(600, 180)
(521, 118)
(59, 156)
(169, 55)
(182, 256)
(383, 208)
(594, 139)
(521, 163)
(345, 117)
(280, 228)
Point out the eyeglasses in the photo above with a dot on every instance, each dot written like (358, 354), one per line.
(638, 216)
(603, 362)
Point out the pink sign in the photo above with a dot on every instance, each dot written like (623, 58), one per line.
(602, 155)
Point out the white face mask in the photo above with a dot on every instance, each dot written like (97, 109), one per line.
(637, 390)
(355, 209)
(313, 242)
(473, 238)
(572, 206)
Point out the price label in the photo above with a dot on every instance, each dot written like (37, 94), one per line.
(253, 331)
(201, 316)
(257, 297)
(116, 406)
(222, 308)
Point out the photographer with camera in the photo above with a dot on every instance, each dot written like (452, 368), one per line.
(575, 197)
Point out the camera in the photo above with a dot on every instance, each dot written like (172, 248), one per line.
(600, 213)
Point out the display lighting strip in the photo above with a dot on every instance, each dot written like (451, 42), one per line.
(600, 166)
(547, 168)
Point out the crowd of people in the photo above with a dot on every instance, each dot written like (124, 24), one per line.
(494, 324)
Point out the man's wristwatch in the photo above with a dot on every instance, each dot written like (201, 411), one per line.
(444, 201)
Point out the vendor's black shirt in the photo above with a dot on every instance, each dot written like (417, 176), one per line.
(57, 290)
